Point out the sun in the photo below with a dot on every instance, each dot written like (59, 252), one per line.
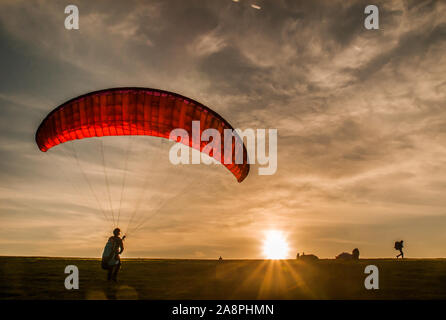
(275, 245)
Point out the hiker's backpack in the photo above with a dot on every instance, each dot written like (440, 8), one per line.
(397, 245)
(107, 254)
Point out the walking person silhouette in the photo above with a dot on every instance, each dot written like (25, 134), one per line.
(399, 246)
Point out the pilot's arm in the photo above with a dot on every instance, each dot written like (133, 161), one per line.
(121, 247)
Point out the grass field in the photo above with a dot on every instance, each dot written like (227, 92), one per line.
(43, 278)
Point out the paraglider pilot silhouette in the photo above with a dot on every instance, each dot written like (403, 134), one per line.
(110, 257)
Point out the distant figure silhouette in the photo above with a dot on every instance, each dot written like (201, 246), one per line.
(306, 257)
(399, 246)
(110, 257)
(347, 256)
(220, 259)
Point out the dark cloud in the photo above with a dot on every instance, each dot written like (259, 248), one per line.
(231, 73)
(27, 72)
(414, 44)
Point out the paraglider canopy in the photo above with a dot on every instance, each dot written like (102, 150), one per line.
(135, 111)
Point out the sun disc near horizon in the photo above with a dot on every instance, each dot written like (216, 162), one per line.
(275, 245)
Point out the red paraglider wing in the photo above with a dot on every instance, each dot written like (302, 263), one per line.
(135, 111)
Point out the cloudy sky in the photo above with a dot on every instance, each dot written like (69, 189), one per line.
(360, 114)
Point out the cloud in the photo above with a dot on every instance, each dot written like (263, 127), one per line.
(360, 117)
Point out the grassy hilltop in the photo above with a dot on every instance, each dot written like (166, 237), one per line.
(43, 278)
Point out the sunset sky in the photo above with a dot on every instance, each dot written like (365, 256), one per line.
(360, 114)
